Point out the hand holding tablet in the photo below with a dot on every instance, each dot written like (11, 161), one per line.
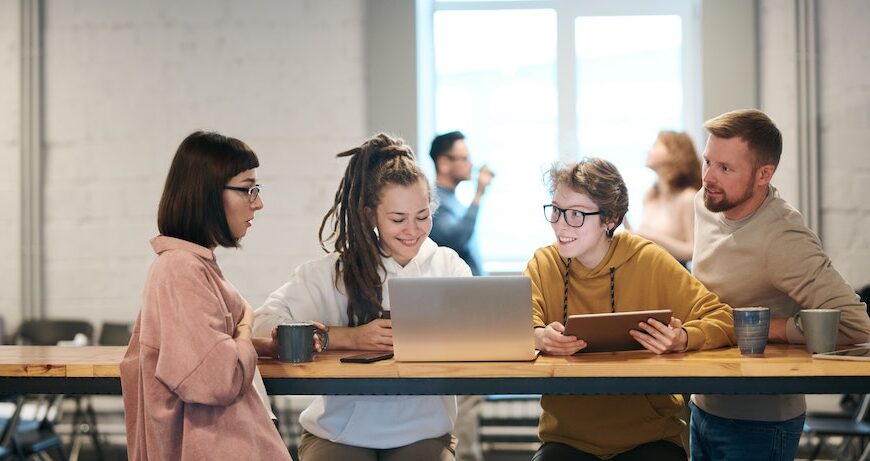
(609, 332)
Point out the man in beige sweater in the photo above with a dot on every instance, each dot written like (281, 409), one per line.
(753, 249)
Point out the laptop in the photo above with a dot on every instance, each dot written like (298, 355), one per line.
(458, 319)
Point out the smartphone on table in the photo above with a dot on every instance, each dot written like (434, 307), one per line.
(367, 357)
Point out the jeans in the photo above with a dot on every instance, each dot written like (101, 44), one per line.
(721, 439)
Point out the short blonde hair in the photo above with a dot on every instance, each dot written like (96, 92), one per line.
(754, 127)
(598, 179)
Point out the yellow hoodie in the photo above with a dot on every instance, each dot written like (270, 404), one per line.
(645, 277)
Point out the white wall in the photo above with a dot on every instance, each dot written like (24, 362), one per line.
(727, 56)
(844, 94)
(779, 86)
(844, 120)
(125, 81)
(10, 187)
(391, 70)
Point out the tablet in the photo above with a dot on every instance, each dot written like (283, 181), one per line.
(861, 352)
(608, 332)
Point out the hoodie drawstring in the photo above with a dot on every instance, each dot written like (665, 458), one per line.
(612, 290)
(565, 296)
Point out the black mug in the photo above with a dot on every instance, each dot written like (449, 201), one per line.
(296, 341)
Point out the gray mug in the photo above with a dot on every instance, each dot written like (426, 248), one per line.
(820, 329)
(296, 341)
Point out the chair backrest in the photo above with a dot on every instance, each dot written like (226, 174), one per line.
(50, 332)
(115, 334)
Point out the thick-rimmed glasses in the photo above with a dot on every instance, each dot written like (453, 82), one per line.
(253, 192)
(573, 218)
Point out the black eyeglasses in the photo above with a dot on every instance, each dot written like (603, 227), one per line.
(573, 218)
(253, 192)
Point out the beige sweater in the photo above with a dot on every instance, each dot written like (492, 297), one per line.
(770, 259)
(186, 381)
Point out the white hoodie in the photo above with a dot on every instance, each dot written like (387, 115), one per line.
(380, 421)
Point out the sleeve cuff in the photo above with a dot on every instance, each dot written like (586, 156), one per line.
(695, 338)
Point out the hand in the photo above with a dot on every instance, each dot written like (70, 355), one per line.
(551, 340)
(318, 344)
(247, 316)
(376, 335)
(267, 347)
(243, 328)
(484, 177)
(660, 338)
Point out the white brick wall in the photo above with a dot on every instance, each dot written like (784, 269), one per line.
(10, 187)
(844, 117)
(844, 94)
(778, 86)
(127, 80)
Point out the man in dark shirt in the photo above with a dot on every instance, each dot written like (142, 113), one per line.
(453, 223)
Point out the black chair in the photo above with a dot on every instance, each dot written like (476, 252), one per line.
(7, 427)
(24, 438)
(39, 441)
(51, 332)
(115, 334)
(39, 436)
(851, 426)
(3, 338)
(85, 418)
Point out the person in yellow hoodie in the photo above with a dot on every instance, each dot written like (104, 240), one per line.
(590, 270)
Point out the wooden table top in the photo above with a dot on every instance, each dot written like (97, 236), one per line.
(778, 361)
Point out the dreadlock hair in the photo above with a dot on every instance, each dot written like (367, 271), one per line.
(379, 161)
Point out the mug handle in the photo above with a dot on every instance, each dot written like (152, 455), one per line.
(797, 323)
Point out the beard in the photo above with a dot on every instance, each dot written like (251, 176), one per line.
(726, 203)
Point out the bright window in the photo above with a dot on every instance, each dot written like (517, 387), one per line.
(629, 87)
(534, 82)
(496, 82)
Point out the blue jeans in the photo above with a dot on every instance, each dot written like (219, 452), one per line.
(721, 439)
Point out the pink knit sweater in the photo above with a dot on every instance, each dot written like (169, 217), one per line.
(186, 382)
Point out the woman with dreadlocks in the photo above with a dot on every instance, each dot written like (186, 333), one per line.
(379, 226)
(590, 270)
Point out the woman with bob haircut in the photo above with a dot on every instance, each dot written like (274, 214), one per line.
(186, 377)
(379, 226)
(590, 270)
(668, 208)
